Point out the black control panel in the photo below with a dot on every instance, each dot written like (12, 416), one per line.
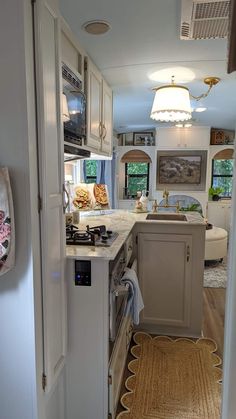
(83, 273)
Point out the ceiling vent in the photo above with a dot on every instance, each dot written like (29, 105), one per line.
(204, 19)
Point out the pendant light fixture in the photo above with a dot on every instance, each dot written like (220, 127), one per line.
(172, 102)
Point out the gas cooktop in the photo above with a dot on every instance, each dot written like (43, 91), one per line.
(92, 236)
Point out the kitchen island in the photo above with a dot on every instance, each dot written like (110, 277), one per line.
(170, 256)
(123, 222)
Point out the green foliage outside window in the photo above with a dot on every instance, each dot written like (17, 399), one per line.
(91, 171)
(222, 176)
(137, 175)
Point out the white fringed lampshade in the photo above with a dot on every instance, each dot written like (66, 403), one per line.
(171, 104)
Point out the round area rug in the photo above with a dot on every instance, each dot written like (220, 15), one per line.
(215, 274)
(172, 379)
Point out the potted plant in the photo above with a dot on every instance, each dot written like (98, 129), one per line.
(192, 207)
(214, 193)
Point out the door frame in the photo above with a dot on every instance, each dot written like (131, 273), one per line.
(229, 369)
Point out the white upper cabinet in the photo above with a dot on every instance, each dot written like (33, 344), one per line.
(182, 138)
(99, 111)
(72, 54)
(94, 106)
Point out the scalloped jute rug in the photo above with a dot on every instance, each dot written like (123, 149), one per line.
(172, 379)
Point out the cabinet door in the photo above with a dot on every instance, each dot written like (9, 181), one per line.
(227, 217)
(165, 264)
(168, 138)
(94, 106)
(107, 119)
(216, 214)
(48, 73)
(174, 138)
(197, 137)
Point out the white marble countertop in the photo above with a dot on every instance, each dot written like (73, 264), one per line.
(121, 221)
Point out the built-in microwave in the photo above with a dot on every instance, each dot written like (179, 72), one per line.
(75, 123)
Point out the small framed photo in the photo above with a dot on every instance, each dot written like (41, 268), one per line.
(128, 140)
(222, 136)
(143, 138)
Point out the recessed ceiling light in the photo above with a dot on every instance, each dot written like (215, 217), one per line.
(187, 125)
(179, 125)
(182, 75)
(96, 27)
(200, 109)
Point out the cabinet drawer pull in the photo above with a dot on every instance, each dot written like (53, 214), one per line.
(188, 253)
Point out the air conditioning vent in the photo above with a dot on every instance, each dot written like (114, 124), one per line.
(185, 30)
(204, 19)
(68, 75)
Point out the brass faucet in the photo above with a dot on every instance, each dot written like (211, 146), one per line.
(166, 196)
(155, 205)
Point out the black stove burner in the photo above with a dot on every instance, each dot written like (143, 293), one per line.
(92, 236)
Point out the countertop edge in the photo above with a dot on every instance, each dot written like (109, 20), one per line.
(111, 252)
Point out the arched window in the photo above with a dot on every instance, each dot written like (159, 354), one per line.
(222, 171)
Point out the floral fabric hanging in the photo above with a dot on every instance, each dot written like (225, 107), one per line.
(7, 230)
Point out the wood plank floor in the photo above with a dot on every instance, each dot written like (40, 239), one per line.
(213, 325)
(213, 316)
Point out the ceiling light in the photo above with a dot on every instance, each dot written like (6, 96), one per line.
(200, 109)
(172, 102)
(96, 27)
(182, 75)
(188, 125)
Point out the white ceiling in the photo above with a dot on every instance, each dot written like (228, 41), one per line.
(145, 38)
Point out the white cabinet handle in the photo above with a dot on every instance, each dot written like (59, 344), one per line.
(104, 130)
(100, 129)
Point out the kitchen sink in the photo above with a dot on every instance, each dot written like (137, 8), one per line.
(166, 217)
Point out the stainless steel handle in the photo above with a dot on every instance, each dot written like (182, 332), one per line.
(188, 253)
(65, 193)
(120, 290)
